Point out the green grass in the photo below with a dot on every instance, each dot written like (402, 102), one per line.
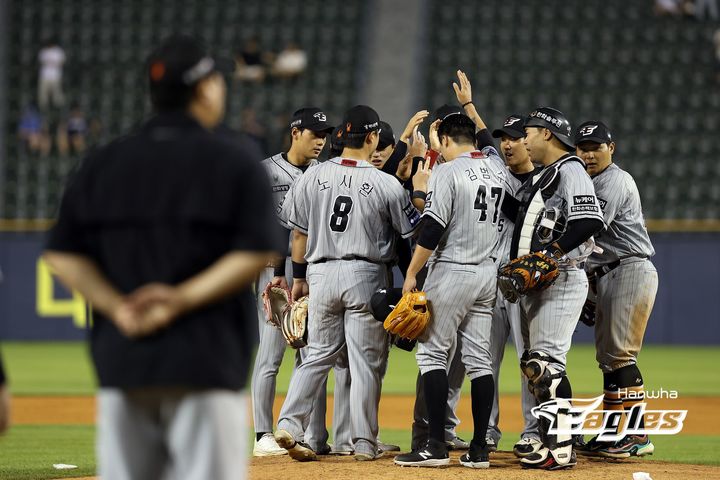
(29, 451)
(63, 368)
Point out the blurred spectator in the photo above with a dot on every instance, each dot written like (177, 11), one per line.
(291, 62)
(253, 130)
(702, 5)
(52, 59)
(667, 7)
(251, 61)
(72, 133)
(33, 132)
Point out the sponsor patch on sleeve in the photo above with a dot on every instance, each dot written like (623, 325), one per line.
(584, 208)
(603, 203)
(584, 200)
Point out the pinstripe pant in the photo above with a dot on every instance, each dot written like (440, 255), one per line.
(268, 359)
(507, 320)
(340, 292)
(625, 298)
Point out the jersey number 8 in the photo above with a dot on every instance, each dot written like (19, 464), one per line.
(341, 213)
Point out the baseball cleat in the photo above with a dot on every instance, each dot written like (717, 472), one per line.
(629, 446)
(591, 448)
(367, 457)
(267, 447)
(323, 449)
(491, 444)
(476, 457)
(297, 450)
(345, 451)
(457, 443)
(387, 447)
(526, 446)
(433, 454)
(543, 459)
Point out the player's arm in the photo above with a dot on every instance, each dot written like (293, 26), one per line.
(576, 233)
(431, 231)
(299, 249)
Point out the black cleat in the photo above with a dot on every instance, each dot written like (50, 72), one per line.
(433, 454)
(476, 457)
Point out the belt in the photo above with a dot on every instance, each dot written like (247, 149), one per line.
(364, 259)
(605, 269)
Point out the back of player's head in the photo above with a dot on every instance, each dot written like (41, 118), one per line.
(459, 128)
(387, 137)
(174, 69)
(444, 111)
(357, 123)
(336, 142)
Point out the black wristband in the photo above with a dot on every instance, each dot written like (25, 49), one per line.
(419, 194)
(466, 104)
(279, 270)
(299, 270)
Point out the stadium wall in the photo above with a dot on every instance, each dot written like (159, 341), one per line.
(34, 306)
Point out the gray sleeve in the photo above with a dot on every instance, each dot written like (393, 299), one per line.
(615, 201)
(295, 206)
(439, 200)
(403, 215)
(579, 193)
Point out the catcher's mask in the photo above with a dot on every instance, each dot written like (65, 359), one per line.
(383, 302)
(550, 225)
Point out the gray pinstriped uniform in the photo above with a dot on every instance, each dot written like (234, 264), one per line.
(350, 212)
(272, 345)
(551, 315)
(464, 196)
(626, 294)
(506, 321)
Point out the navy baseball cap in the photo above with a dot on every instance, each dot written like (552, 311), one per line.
(360, 119)
(446, 110)
(180, 62)
(311, 118)
(383, 302)
(387, 137)
(555, 121)
(513, 127)
(593, 131)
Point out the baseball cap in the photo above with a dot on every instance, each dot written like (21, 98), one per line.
(555, 121)
(383, 302)
(180, 62)
(360, 119)
(513, 127)
(387, 137)
(446, 110)
(593, 131)
(311, 118)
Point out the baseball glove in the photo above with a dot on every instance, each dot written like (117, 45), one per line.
(409, 317)
(276, 302)
(533, 272)
(294, 323)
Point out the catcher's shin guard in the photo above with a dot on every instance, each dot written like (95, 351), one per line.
(543, 378)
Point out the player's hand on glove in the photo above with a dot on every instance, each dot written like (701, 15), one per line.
(533, 272)
(422, 176)
(463, 89)
(300, 288)
(413, 123)
(410, 316)
(587, 315)
(409, 284)
(280, 282)
(276, 302)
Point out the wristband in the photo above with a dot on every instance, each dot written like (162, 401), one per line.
(279, 270)
(419, 194)
(299, 270)
(466, 104)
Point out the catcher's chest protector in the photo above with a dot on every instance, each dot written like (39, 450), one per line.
(533, 195)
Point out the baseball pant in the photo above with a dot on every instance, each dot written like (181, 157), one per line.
(625, 298)
(159, 433)
(506, 321)
(340, 293)
(268, 359)
(552, 315)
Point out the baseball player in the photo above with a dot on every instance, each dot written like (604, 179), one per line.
(625, 282)
(558, 214)
(458, 238)
(345, 214)
(308, 130)
(506, 316)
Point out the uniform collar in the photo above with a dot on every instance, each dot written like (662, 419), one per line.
(609, 167)
(351, 162)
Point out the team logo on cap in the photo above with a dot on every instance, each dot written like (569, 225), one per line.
(588, 130)
(547, 118)
(320, 116)
(511, 121)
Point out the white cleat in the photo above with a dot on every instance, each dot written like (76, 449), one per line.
(267, 447)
